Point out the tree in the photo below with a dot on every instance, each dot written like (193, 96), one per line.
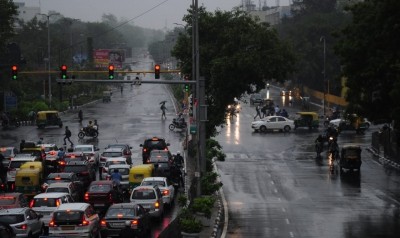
(369, 52)
(8, 11)
(236, 52)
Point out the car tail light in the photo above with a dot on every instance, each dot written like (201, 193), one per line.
(165, 192)
(84, 221)
(144, 150)
(134, 224)
(61, 162)
(58, 202)
(157, 205)
(22, 227)
(32, 203)
(148, 161)
(86, 198)
(110, 199)
(51, 223)
(103, 223)
(12, 186)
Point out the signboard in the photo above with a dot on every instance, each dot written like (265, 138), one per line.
(103, 57)
(10, 101)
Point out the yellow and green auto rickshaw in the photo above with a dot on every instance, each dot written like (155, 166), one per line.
(34, 165)
(138, 173)
(306, 119)
(28, 181)
(48, 118)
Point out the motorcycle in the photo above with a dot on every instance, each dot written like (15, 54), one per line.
(89, 132)
(13, 122)
(177, 123)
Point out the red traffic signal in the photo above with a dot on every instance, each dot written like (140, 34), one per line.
(14, 72)
(63, 69)
(157, 71)
(111, 71)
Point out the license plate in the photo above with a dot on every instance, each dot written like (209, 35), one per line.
(146, 206)
(67, 228)
(98, 205)
(117, 225)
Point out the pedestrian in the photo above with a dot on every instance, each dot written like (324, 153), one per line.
(40, 141)
(163, 108)
(21, 146)
(277, 110)
(284, 113)
(67, 136)
(80, 116)
(3, 170)
(96, 126)
(258, 112)
(264, 111)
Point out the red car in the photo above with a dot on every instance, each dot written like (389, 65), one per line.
(13, 200)
(101, 195)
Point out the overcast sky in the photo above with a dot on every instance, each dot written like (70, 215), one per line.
(155, 14)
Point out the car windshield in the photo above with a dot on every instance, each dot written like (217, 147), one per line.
(7, 200)
(122, 171)
(156, 144)
(33, 152)
(5, 152)
(83, 149)
(75, 168)
(351, 152)
(12, 218)
(67, 216)
(120, 213)
(152, 183)
(46, 202)
(143, 194)
(112, 154)
(100, 188)
(108, 163)
(16, 164)
(57, 190)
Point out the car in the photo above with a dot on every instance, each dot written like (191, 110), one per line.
(24, 221)
(111, 153)
(116, 216)
(286, 92)
(154, 143)
(336, 122)
(6, 231)
(74, 220)
(166, 187)
(126, 150)
(8, 153)
(102, 194)
(63, 177)
(71, 156)
(66, 187)
(123, 169)
(14, 166)
(150, 197)
(83, 170)
(162, 161)
(256, 98)
(273, 123)
(91, 151)
(112, 161)
(13, 200)
(46, 203)
(51, 151)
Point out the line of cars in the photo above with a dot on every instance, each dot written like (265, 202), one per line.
(69, 199)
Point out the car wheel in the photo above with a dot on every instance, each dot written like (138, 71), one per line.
(263, 129)
(286, 128)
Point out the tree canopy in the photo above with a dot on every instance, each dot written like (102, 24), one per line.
(370, 54)
(8, 11)
(236, 52)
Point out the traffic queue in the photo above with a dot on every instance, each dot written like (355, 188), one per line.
(46, 190)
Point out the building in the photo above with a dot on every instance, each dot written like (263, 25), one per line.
(26, 13)
(264, 13)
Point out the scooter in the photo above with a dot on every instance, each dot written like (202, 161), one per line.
(176, 123)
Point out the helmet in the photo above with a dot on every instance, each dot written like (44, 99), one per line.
(178, 152)
(116, 171)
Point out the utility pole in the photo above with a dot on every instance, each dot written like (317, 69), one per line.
(322, 39)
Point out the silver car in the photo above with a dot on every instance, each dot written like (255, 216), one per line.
(25, 222)
(150, 197)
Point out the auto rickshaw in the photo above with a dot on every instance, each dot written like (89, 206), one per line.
(353, 122)
(138, 173)
(106, 96)
(48, 118)
(28, 181)
(306, 119)
(350, 157)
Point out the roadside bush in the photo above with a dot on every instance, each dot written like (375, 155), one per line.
(209, 183)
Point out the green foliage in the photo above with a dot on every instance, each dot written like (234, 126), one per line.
(203, 205)
(8, 11)
(182, 200)
(209, 184)
(369, 52)
(190, 225)
(236, 52)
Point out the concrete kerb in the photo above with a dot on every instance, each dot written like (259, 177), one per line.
(222, 210)
(384, 160)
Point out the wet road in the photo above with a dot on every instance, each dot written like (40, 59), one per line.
(130, 117)
(275, 188)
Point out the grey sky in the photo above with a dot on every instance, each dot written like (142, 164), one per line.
(165, 15)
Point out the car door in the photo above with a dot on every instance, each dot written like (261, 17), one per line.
(272, 123)
(281, 122)
(33, 221)
(94, 220)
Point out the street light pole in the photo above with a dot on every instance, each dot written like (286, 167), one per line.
(48, 50)
(323, 72)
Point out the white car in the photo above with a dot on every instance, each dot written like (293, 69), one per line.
(166, 187)
(273, 123)
(91, 151)
(112, 161)
(74, 220)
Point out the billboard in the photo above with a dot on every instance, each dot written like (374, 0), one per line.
(103, 57)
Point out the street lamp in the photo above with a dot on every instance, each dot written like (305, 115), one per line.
(322, 39)
(48, 49)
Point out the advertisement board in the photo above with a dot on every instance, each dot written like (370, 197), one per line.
(103, 57)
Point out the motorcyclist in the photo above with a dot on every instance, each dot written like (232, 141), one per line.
(333, 147)
(116, 177)
(180, 120)
(319, 145)
(178, 159)
(90, 127)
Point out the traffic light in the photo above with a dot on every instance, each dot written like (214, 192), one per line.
(186, 87)
(111, 71)
(157, 71)
(14, 72)
(63, 72)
